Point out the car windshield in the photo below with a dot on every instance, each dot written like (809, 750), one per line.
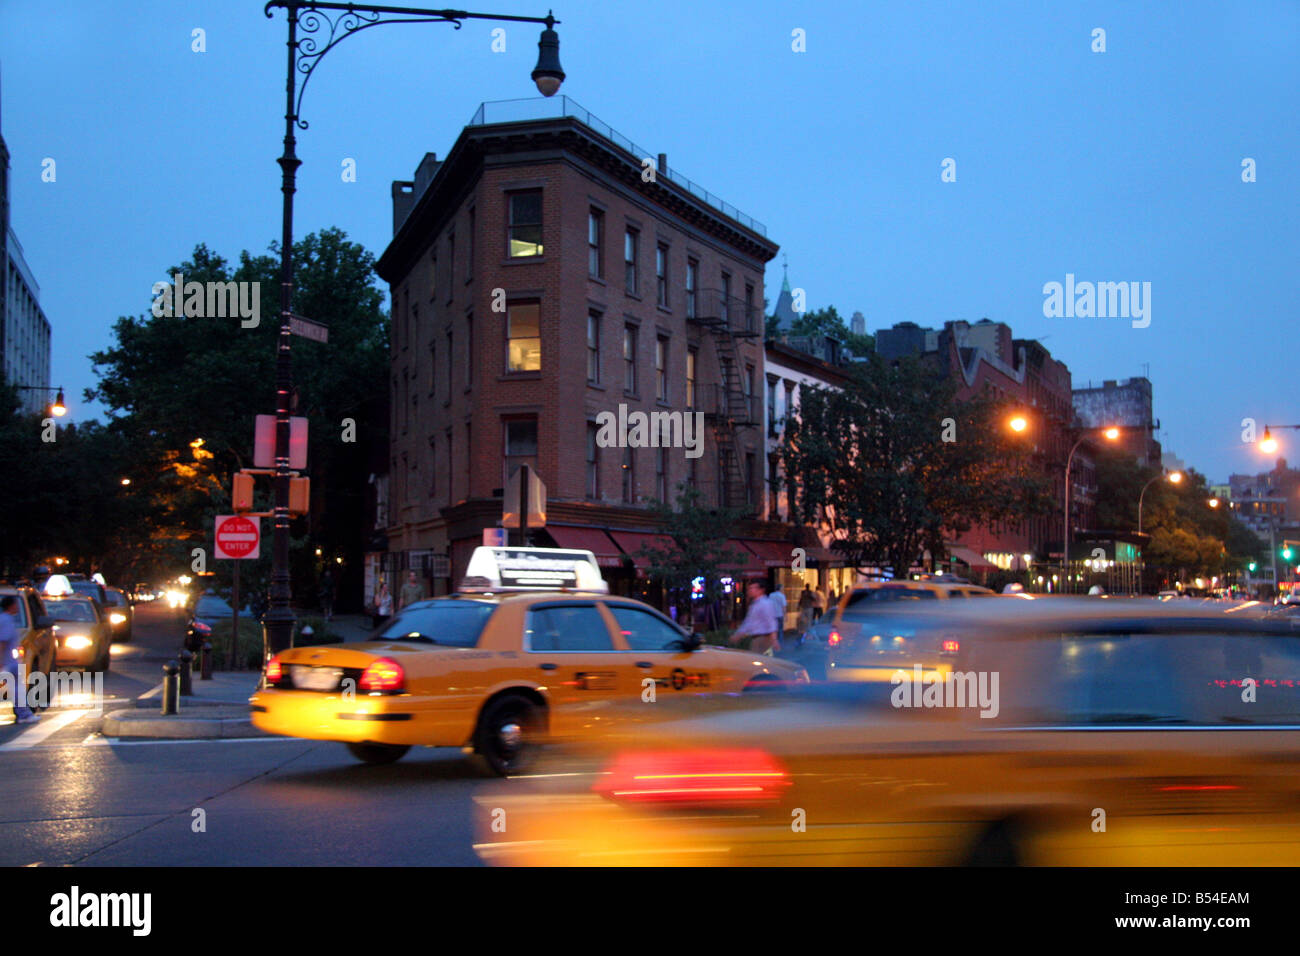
(210, 606)
(87, 589)
(863, 605)
(448, 623)
(80, 611)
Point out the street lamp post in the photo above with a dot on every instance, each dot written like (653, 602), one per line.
(58, 409)
(322, 31)
(1111, 434)
(1173, 476)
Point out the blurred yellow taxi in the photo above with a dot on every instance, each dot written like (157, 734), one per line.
(1068, 733)
(532, 648)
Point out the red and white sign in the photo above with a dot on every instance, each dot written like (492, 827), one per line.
(238, 536)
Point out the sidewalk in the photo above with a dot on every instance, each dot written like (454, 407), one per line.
(217, 708)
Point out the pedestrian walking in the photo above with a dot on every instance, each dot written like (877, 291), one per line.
(412, 591)
(383, 604)
(327, 594)
(9, 663)
(760, 622)
(777, 597)
(819, 606)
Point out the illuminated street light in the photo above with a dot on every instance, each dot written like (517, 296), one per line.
(1175, 476)
(126, 481)
(1018, 424)
(1213, 502)
(1111, 433)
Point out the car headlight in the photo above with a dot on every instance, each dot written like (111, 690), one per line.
(117, 617)
(77, 642)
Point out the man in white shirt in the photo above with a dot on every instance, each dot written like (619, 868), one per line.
(777, 598)
(760, 622)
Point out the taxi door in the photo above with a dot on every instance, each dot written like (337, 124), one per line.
(570, 645)
(649, 637)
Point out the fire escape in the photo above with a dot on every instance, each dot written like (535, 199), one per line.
(726, 406)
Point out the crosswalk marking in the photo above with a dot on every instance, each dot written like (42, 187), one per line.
(48, 725)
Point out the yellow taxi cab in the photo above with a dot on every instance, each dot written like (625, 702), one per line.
(36, 641)
(532, 648)
(1073, 733)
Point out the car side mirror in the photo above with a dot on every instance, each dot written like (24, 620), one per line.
(44, 621)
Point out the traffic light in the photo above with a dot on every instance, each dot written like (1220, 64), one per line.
(241, 494)
(1287, 552)
(299, 496)
(1251, 566)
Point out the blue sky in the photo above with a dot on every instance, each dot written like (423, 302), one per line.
(1115, 166)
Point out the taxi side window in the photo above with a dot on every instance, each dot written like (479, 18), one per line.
(567, 627)
(644, 631)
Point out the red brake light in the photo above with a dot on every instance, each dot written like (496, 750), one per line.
(274, 670)
(951, 647)
(833, 638)
(710, 777)
(384, 674)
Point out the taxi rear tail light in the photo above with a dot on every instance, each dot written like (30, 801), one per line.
(833, 638)
(382, 676)
(719, 778)
(274, 670)
(951, 647)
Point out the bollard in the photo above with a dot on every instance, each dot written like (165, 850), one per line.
(187, 673)
(205, 670)
(170, 701)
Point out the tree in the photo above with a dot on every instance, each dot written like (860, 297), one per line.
(169, 381)
(699, 536)
(892, 462)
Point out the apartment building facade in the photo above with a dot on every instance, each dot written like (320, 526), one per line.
(546, 276)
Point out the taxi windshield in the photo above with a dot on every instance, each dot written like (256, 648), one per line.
(71, 611)
(448, 623)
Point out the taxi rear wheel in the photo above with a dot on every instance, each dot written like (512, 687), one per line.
(506, 735)
(378, 753)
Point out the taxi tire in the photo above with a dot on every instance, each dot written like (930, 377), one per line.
(101, 661)
(378, 753)
(509, 708)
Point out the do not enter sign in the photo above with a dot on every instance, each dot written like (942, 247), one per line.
(237, 536)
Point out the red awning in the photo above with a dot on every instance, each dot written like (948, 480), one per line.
(633, 541)
(749, 563)
(772, 554)
(588, 539)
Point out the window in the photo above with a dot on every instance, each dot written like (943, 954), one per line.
(771, 406)
(630, 242)
(644, 631)
(405, 325)
(749, 307)
(469, 459)
(629, 359)
(593, 347)
(661, 368)
(525, 224)
(749, 478)
(661, 273)
(451, 457)
(433, 369)
(414, 331)
(406, 400)
(469, 350)
(595, 244)
(451, 364)
(724, 307)
(692, 358)
(433, 275)
(469, 248)
(629, 475)
(566, 627)
(749, 390)
(593, 461)
(433, 471)
(692, 285)
(521, 445)
(661, 474)
(523, 337)
(692, 474)
(451, 266)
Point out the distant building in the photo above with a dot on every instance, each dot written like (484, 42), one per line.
(24, 329)
(784, 312)
(858, 324)
(1124, 404)
(1268, 499)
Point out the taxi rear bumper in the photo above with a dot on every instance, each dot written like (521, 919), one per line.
(361, 719)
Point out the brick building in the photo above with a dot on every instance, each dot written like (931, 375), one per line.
(544, 273)
(1126, 404)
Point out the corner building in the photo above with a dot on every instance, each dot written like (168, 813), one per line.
(540, 275)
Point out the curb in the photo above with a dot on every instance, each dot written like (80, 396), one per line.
(131, 724)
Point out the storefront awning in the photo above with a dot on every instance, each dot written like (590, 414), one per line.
(750, 565)
(594, 540)
(971, 559)
(633, 541)
(772, 554)
(825, 557)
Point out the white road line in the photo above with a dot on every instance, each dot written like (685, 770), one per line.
(39, 731)
(152, 692)
(95, 740)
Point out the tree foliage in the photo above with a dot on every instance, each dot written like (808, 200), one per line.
(871, 461)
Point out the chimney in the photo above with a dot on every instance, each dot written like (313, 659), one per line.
(662, 166)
